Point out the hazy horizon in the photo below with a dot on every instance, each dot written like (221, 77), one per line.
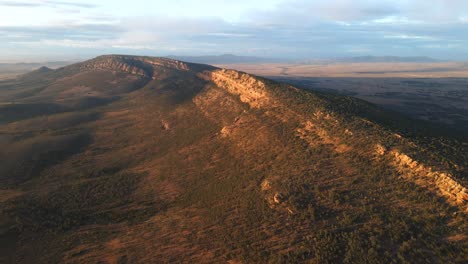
(45, 30)
(262, 59)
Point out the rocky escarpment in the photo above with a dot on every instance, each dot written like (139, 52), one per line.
(167, 63)
(443, 183)
(142, 66)
(249, 89)
(324, 128)
(254, 92)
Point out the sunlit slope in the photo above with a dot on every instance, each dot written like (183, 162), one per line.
(139, 160)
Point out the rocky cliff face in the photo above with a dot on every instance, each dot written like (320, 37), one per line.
(141, 66)
(443, 183)
(324, 128)
(249, 89)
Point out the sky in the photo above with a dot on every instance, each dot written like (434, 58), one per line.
(46, 30)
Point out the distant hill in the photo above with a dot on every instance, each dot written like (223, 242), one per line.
(37, 73)
(15, 69)
(223, 59)
(131, 159)
(33, 65)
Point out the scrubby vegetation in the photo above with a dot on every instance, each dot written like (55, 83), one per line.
(178, 169)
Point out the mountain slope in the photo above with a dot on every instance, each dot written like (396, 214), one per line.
(140, 159)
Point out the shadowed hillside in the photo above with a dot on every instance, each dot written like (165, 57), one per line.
(125, 159)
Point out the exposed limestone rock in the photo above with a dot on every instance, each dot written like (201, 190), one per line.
(318, 129)
(290, 211)
(367, 121)
(443, 183)
(380, 150)
(173, 64)
(225, 131)
(116, 64)
(253, 92)
(266, 185)
(278, 201)
(348, 132)
(139, 66)
(165, 125)
(324, 116)
(275, 199)
(306, 135)
(249, 89)
(278, 198)
(312, 128)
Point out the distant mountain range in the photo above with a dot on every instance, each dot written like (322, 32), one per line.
(233, 59)
(224, 59)
(23, 67)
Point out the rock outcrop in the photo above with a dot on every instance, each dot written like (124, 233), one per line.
(141, 66)
(309, 129)
(443, 183)
(320, 128)
(249, 89)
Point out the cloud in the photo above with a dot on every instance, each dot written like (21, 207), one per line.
(87, 32)
(304, 11)
(403, 36)
(435, 11)
(18, 4)
(346, 10)
(46, 3)
(72, 4)
(296, 28)
(164, 35)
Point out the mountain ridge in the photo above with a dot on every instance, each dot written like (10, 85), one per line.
(141, 158)
(250, 89)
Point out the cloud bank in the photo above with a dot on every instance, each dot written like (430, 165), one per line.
(291, 29)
